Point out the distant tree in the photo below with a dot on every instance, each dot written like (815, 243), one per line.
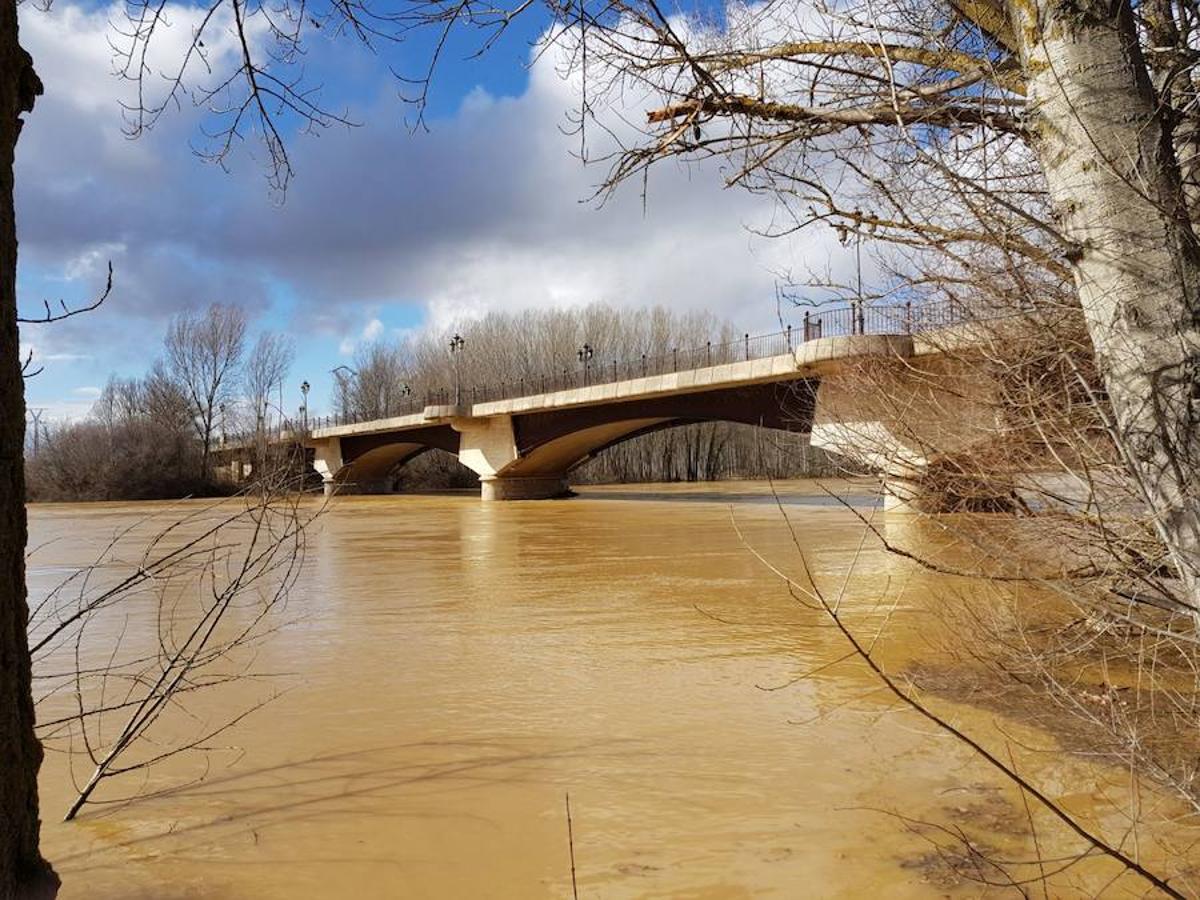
(138, 442)
(203, 351)
(264, 372)
(120, 400)
(377, 386)
(135, 458)
(165, 400)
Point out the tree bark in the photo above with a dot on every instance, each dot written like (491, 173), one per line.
(1106, 151)
(23, 872)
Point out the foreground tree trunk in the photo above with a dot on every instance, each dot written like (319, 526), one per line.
(1105, 147)
(23, 872)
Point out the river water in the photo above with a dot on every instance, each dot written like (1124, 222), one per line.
(451, 670)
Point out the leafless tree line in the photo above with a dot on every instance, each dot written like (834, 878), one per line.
(511, 348)
(153, 436)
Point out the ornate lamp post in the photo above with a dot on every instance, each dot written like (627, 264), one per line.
(304, 389)
(456, 347)
(585, 354)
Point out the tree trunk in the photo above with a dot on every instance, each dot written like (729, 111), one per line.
(1114, 179)
(204, 454)
(23, 872)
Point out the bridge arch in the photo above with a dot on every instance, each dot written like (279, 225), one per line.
(555, 442)
(367, 459)
(376, 464)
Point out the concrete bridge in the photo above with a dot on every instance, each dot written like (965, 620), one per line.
(523, 447)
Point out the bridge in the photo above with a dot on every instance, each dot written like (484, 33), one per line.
(523, 438)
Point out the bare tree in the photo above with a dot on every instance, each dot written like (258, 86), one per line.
(203, 351)
(138, 442)
(164, 399)
(22, 869)
(264, 373)
(378, 384)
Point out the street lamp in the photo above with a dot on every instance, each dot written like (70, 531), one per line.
(456, 347)
(345, 401)
(304, 389)
(843, 232)
(585, 354)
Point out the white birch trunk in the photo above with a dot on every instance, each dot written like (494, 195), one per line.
(1115, 183)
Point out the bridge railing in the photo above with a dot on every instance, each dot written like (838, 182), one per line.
(857, 318)
(277, 433)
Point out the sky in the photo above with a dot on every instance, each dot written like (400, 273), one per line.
(384, 228)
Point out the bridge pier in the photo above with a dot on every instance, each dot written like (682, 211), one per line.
(535, 487)
(327, 461)
(488, 448)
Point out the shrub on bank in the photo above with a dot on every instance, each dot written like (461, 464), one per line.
(137, 459)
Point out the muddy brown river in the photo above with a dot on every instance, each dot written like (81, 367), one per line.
(449, 671)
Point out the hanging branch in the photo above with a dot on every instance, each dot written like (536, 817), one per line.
(217, 596)
(832, 611)
(64, 312)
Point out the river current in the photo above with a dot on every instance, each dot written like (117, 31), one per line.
(451, 670)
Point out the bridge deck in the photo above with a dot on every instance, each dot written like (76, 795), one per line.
(806, 359)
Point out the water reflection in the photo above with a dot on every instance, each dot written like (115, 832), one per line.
(784, 497)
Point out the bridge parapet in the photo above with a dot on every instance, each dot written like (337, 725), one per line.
(812, 356)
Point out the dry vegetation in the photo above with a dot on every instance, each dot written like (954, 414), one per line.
(152, 437)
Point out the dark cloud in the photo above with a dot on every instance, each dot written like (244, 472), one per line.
(483, 211)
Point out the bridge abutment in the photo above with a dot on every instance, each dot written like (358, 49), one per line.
(924, 431)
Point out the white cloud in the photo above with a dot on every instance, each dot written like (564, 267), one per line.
(39, 355)
(91, 263)
(372, 331)
(488, 210)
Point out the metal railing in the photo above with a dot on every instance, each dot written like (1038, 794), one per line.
(857, 318)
